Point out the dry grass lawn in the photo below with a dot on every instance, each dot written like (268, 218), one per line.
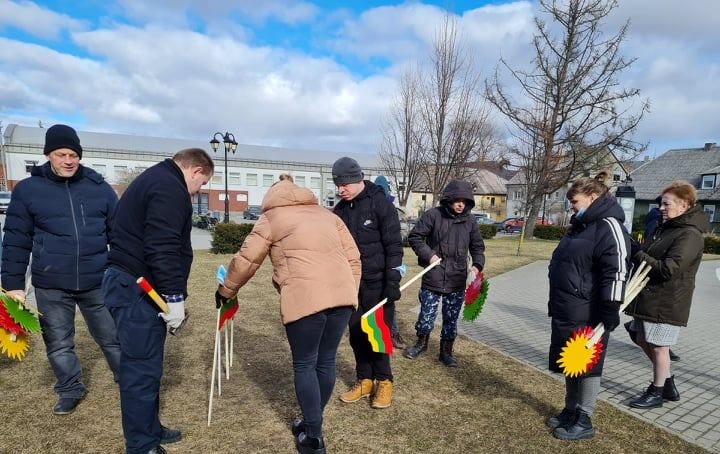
(489, 404)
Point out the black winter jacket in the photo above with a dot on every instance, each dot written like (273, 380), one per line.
(374, 224)
(65, 224)
(450, 236)
(151, 234)
(674, 253)
(588, 269)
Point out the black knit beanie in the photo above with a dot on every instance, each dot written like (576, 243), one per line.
(62, 136)
(346, 170)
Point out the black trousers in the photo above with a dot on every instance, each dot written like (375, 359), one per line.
(368, 364)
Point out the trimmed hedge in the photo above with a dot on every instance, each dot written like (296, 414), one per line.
(549, 232)
(227, 238)
(712, 244)
(488, 231)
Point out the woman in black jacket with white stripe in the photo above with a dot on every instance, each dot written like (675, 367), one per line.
(587, 275)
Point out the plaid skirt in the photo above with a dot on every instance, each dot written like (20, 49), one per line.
(660, 334)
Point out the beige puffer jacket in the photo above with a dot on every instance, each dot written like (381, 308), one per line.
(316, 264)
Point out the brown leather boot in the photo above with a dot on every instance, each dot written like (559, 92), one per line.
(361, 388)
(383, 394)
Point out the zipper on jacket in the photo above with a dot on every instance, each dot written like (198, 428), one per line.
(77, 237)
(82, 214)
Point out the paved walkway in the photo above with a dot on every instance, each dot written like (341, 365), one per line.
(517, 303)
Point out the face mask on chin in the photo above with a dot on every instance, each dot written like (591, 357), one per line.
(580, 212)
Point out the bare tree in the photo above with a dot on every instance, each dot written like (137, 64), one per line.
(439, 122)
(454, 120)
(401, 149)
(575, 115)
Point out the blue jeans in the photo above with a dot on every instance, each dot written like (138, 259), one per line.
(451, 305)
(314, 342)
(58, 330)
(142, 341)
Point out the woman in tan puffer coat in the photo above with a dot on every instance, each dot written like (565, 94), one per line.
(316, 270)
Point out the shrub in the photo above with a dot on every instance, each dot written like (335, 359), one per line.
(549, 232)
(488, 231)
(712, 244)
(227, 238)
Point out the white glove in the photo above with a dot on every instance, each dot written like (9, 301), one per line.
(175, 317)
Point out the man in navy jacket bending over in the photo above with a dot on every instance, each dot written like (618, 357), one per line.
(151, 239)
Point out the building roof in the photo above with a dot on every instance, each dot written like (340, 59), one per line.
(109, 142)
(681, 164)
(488, 182)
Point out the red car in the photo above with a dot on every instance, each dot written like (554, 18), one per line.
(515, 225)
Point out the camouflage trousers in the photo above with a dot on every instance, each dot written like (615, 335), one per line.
(451, 305)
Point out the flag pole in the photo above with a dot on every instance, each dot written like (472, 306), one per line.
(232, 339)
(227, 354)
(212, 374)
(404, 286)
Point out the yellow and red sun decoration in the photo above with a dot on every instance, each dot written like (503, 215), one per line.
(576, 358)
(16, 322)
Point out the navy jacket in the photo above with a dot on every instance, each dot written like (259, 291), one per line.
(588, 268)
(151, 233)
(450, 236)
(65, 224)
(374, 224)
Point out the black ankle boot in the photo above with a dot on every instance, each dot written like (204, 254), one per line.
(298, 426)
(580, 429)
(420, 346)
(651, 398)
(309, 445)
(673, 356)
(670, 392)
(562, 419)
(446, 357)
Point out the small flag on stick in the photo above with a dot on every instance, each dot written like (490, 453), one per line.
(147, 288)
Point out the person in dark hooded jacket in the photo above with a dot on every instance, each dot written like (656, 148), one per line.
(587, 274)
(446, 232)
(62, 216)
(673, 253)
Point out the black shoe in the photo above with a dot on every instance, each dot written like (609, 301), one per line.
(67, 405)
(309, 445)
(298, 426)
(170, 435)
(398, 341)
(420, 346)
(670, 392)
(157, 450)
(673, 356)
(651, 398)
(565, 417)
(579, 429)
(446, 354)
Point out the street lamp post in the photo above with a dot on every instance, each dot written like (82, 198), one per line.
(228, 140)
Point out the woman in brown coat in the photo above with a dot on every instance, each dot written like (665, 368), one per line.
(673, 252)
(316, 270)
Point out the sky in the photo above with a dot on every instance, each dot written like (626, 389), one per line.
(312, 74)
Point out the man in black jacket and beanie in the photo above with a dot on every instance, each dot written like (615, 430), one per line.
(374, 224)
(446, 232)
(151, 239)
(62, 216)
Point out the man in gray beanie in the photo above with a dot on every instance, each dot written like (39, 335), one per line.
(62, 215)
(374, 224)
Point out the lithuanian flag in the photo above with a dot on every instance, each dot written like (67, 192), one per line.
(373, 324)
(227, 311)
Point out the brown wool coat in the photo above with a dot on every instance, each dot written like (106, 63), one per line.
(316, 264)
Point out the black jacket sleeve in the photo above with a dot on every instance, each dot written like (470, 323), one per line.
(391, 238)
(477, 248)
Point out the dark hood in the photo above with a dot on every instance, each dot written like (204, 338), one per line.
(603, 207)
(694, 217)
(458, 189)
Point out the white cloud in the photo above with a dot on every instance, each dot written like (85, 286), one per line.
(35, 20)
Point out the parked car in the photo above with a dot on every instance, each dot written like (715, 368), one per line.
(482, 220)
(4, 200)
(515, 225)
(252, 212)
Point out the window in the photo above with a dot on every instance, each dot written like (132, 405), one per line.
(517, 195)
(300, 181)
(221, 196)
(710, 211)
(492, 201)
(251, 179)
(121, 172)
(314, 182)
(217, 178)
(233, 177)
(100, 168)
(616, 177)
(329, 183)
(29, 165)
(268, 180)
(708, 182)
